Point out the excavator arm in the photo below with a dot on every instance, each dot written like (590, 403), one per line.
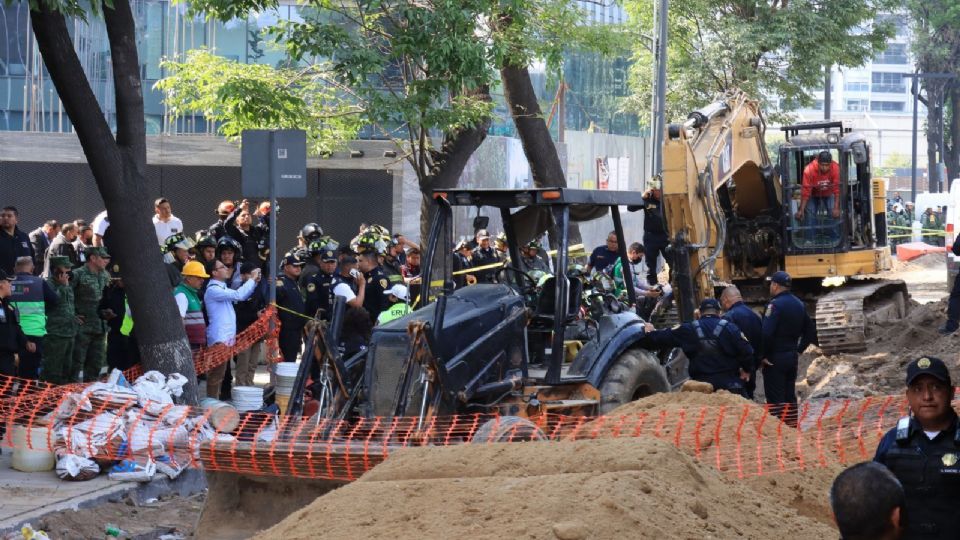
(721, 199)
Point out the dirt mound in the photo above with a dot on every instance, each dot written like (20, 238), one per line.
(611, 488)
(929, 261)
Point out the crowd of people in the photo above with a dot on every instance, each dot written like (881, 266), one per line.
(900, 218)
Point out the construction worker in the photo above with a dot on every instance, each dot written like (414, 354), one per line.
(749, 323)
(62, 325)
(868, 502)
(31, 297)
(786, 332)
(399, 299)
(88, 283)
(719, 353)
(654, 230)
(187, 296)
(923, 452)
(820, 188)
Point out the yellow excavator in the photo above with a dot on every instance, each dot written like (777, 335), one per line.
(731, 215)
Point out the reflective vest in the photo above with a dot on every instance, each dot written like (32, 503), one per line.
(27, 297)
(393, 312)
(193, 321)
(127, 325)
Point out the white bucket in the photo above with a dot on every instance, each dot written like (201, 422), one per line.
(223, 416)
(36, 454)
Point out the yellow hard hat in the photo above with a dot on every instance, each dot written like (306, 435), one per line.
(195, 269)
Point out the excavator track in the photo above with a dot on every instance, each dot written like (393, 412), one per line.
(843, 314)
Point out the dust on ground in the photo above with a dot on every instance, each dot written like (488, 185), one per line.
(170, 515)
(600, 488)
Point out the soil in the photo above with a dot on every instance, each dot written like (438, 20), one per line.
(602, 488)
(172, 515)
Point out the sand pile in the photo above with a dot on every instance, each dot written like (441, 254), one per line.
(881, 369)
(603, 488)
(929, 261)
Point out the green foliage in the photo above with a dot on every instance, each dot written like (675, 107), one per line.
(895, 160)
(770, 50)
(254, 96)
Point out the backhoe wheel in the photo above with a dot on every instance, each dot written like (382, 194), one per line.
(636, 374)
(508, 429)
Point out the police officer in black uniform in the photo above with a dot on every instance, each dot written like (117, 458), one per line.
(749, 323)
(923, 451)
(787, 330)
(483, 255)
(377, 282)
(654, 232)
(719, 353)
(290, 298)
(319, 288)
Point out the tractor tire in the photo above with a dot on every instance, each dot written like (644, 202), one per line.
(635, 374)
(508, 429)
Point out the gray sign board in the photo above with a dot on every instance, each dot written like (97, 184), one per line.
(281, 154)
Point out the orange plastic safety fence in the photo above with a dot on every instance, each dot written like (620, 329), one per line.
(208, 358)
(741, 440)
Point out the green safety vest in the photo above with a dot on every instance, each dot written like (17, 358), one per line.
(393, 312)
(127, 325)
(27, 298)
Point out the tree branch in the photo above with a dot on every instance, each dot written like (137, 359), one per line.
(128, 89)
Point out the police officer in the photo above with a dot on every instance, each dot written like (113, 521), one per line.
(315, 253)
(787, 330)
(923, 451)
(654, 231)
(462, 260)
(530, 259)
(61, 325)
(377, 282)
(399, 299)
(293, 312)
(319, 288)
(114, 308)
(749, 323)
(31, 297)
(88, 283)
(485, 255)
(719, 353)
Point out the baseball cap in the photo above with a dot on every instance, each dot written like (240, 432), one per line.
(709, 304)
(98, 251)
(781, 278)
(398, 290)
(927, 365)
(292, 259)
(825, 157)
(60, 262)
(328, 256)
(483, 233)
(5, 276)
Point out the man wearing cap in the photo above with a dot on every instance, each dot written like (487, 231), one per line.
(293, 316)
(462, 260)
(655, 238)
(923, 451)
(530, 259)
(485, 255)
(398, 298)
(218, 229)
(500, 244)
(604, 256)
(31, 297)
(821, 188)
(377, 282)
(62, 324)
(11, 335)
(248, 312)
(187, 297)
(786, 332)
(318, 288)
(88, 283)
(718, 351)
(221, 317)
(165, 223)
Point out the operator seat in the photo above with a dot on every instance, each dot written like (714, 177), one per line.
(546, 308)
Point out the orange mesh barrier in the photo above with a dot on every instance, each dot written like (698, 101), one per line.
(743, 440)
(206, 359)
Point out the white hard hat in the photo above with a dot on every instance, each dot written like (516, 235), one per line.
(398, 290)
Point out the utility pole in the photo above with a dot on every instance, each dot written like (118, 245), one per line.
(827, 88)
(915, 90)
(660, 92)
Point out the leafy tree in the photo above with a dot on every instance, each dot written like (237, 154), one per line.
(770, 50)
(936, 47)
(240, 96)
(118, 163)
(895, 160)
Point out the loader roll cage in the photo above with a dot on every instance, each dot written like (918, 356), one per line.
(541, 210)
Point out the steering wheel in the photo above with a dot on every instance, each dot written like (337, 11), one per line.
(529, 288)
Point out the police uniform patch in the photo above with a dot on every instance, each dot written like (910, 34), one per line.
(279, 283)
(769, 310)
(116, 269)
(311, 287)
(923, 363)
(383, 283)
(674, 327)
(949, 460)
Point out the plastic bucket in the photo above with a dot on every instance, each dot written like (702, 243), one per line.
(32, 449)
(223, 416)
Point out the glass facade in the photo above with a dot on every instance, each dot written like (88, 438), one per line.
(29, 102)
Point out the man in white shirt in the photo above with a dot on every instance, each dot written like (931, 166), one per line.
(165, 223)
(100, 225)
(354, 294)
(222, 319)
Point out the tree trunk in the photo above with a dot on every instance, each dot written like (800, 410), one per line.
(953, 135)
(534, 135)
(449, 162)
(118, 166)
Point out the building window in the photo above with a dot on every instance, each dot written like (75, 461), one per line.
(888, 83)
(895, 53)
(855, 105)
(857, 87)
(898, 22)
(886, 106)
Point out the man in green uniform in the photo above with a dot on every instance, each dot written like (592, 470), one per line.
(931, 223)
(88, 283)
(398, 298)
(61, 326)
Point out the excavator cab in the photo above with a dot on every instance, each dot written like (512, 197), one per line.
(858, 226)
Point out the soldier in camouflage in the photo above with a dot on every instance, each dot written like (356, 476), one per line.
(61, 326)
(88, 283)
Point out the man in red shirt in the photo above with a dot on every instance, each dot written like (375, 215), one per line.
(821, 186)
